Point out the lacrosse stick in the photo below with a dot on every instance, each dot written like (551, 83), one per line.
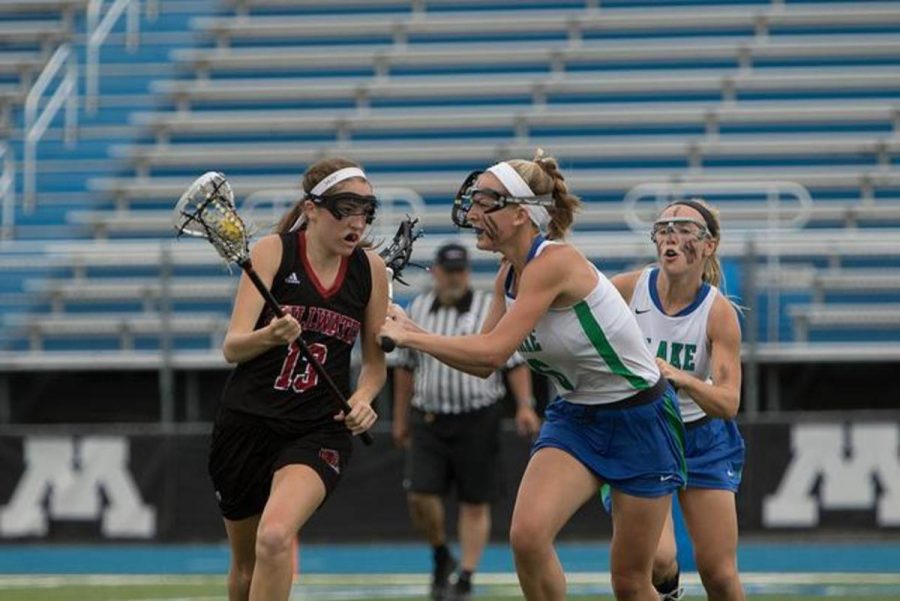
(206, 210)
(396, 257)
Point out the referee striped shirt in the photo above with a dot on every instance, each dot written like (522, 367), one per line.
(440, 388)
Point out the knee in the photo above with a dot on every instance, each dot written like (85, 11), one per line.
(420, 504)
(273, 540)
(527, 538)
(718, 579)
(628, 584)
(665, 565)
(475, 511)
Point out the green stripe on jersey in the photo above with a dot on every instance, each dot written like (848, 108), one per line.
(595, 334)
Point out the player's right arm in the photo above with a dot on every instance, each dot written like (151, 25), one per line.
(242, 342)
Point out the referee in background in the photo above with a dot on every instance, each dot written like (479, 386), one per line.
(449, 422)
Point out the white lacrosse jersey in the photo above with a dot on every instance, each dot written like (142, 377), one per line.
(593, 351)
(680, 339)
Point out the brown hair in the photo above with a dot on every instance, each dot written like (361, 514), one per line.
(313, 175)
(712, 270)
(543, 176)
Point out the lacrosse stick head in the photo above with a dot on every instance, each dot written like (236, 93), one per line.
(397, 254)
(206, 210)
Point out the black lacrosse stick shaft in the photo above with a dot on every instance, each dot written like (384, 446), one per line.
(387, 343)
(396, 256)
(273, 305)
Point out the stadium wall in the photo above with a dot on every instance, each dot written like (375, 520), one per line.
(815, 474)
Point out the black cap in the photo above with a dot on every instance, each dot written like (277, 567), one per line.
(452, 257)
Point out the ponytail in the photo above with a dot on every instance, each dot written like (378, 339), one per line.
(543, 176)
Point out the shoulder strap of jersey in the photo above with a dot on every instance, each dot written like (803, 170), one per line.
(289, 250)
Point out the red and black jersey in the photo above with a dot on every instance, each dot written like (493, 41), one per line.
(280, 384)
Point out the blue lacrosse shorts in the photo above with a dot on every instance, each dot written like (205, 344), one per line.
(714, 450)
(637, 448)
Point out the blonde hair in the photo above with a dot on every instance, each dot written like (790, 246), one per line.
(313, 175)
(543, 176)
(712, 269)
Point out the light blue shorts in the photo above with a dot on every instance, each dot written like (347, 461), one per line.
(636, 446)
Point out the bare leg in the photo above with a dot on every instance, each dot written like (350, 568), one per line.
(637, 525)
(427, 513)
(554, 486)
(665, 562)
(474, 529)
(242, 538)
(711, 520)
(297, 490)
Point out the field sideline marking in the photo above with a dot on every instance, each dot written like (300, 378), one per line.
(401, 579)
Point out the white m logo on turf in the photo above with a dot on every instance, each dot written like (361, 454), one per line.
(66, 479)
(848, 479)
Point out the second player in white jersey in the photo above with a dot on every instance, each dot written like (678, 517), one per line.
(681, 340)
(694, 332)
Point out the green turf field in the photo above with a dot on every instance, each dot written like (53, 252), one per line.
(404, 587)
(211, 593)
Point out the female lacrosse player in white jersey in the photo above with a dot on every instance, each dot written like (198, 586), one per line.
(615, 420)
(694, 332)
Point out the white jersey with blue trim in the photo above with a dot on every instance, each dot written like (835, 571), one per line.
(592, 351)
(679, 339)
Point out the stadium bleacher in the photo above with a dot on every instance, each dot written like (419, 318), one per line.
(684, 94)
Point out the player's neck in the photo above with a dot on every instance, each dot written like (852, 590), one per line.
(677, 292)
(323, 259)
(519, 249)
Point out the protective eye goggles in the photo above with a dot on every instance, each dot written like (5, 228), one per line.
(489, 200)
(347, 204)
(682, 226)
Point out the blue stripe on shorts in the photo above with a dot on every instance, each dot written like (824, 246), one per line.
(638, 450)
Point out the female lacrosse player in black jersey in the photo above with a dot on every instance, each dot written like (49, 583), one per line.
(279, 444)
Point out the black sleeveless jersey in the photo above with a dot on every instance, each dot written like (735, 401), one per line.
(280, 384)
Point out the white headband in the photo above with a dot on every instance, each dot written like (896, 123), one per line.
(335, 178)
(513, 182)
(326, 184)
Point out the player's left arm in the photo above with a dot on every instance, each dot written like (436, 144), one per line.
(373, 374)
(722, 397)
(494, 313)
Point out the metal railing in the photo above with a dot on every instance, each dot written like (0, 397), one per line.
(37, 121)
(7, 191)
(98, 29)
